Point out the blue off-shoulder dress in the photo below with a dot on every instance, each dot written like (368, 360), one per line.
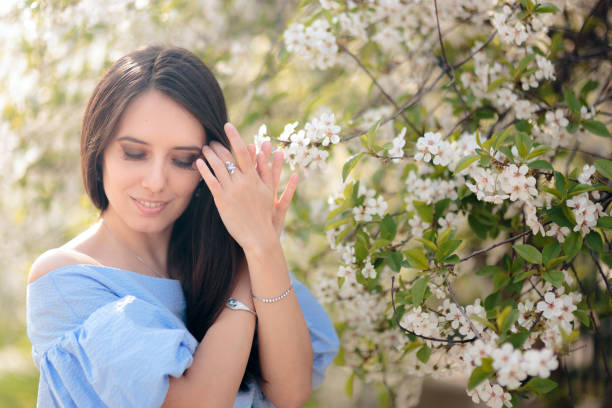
(108, 337)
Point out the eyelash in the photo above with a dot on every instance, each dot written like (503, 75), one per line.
(179, 163)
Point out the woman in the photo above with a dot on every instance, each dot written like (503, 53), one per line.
(179, 296)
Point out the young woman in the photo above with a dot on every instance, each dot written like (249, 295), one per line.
(179, 296)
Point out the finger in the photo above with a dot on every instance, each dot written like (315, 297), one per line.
(253, 151)
(277, 166)
(240, 150)
(209, 178)
(221, 151)
(263, 164)
(285, 199)
(221, 173)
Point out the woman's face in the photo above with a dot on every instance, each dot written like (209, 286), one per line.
(148, 167)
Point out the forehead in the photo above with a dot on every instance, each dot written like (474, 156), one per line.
(156, 118)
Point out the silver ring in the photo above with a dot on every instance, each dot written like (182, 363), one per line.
(230, 167)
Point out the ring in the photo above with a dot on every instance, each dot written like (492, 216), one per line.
(230, 167)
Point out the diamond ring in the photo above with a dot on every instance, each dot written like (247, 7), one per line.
(230, 167)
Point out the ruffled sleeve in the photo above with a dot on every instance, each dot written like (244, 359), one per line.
(120, 355)
(324, 339)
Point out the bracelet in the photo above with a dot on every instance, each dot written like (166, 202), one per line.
(235, 304)
(270, 300)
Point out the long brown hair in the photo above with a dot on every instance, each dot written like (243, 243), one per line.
(201, 253)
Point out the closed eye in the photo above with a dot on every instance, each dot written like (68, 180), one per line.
(133, 156)
(186, 163)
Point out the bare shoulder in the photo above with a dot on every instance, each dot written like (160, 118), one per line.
(56, 258)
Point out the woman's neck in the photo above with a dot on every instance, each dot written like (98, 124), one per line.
(150, 246)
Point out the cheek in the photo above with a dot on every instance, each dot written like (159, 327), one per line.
(186, 184)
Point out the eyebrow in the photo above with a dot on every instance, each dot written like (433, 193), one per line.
(134, 140)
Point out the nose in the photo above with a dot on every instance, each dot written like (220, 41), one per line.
(155, 177)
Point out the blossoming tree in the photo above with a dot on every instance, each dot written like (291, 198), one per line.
(475, 121)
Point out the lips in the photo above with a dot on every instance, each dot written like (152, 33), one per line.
(149, 206)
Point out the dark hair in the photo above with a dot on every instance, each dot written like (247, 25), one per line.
(201, 253)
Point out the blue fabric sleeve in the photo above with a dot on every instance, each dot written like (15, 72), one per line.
(118, 354)
(324, 339)
(121, 356)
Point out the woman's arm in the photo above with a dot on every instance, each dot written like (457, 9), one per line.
(285, 348)
(220, 360)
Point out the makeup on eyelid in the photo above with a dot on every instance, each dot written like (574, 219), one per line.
(187, 163)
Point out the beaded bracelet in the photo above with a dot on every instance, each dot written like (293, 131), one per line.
(270, 300)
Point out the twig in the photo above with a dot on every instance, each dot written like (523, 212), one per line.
(480, 251)
(603, 275)
(424, 90)
(379, 86)
(595, 326)
(418, 335)
(465, 316)
(445, 60)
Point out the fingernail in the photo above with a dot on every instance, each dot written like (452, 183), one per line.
(199, 162)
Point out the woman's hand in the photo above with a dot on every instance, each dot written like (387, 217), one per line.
(246, 199)
(271, 176)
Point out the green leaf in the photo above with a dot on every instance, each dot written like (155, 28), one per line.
(523, 64)
(605, 222)
(350, 164)
(593, 240)
(524, 275)
(521, 144)
(550, 251)
(521, 125)
(572, 244)
(372, 132)
(540, 385)
(481, 373)
(607, 258)
(546, 8)
(425, 211)
(588, 87)
(447, 248)
(500, 280)
(554, 277)
(388, 228)
(348, 386)
(537, 151)
(394, 260)
(416, 258)
(379, 243)
(337, 223)
(582, 318)
(560, 182)
(440, 207)
(528, 253)
(572, 102)
(452, 259)
(540, 164)
(579, 189)
(489, 270)
(597, 127)
(496, 84)
(556, 215)
(465, 162)
(482, 321)
(604, 167)
(509, 320)
(418, 290)
(362, 246)
(423, 354)
(492, 300)
(517, 339)
(556, 261)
